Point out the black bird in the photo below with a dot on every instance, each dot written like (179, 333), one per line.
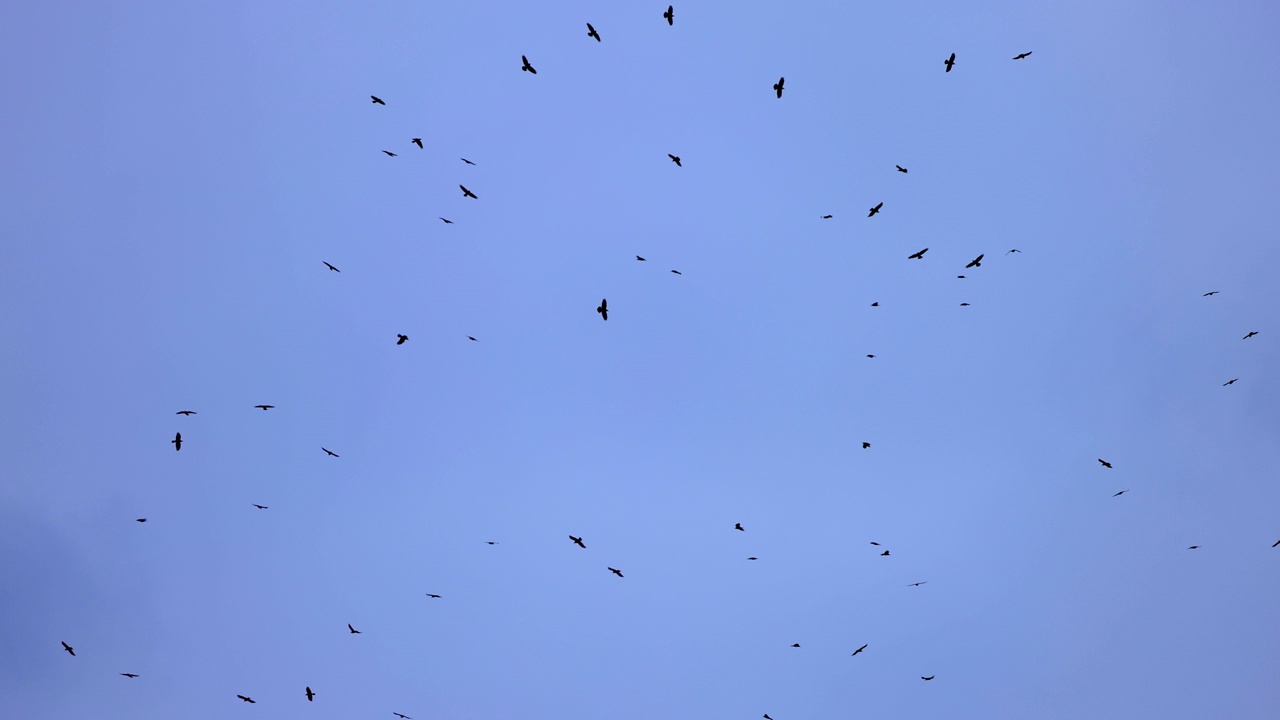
(329, 452)
(900, 168)
(919, 255)
(260, 507)
(1194, 547)
(401, 339)
(246, 698)
(389, 153)
(604, 309)
(418, 142)
(447, 221)
(1120, 493)
(871, 356)
(527, 67)
(616, 571)
(639, 259)
(959, 277)
(826, 217)
(976, 262)
(140, 520)
(1276, 544)
(1020, 56)
(675, 159)
(334, 269)
(855, 652)
(875, 304)
(129, 675)
(69, 649)
(931, 676)
(738, 526)
(1230, 382)
(1105, 464)
(466, 161)
(1015, 250)
(873, 542)
(875, 209)
(884, 554)
(310, 695)
(918, 584)
(778, 86)
(1251, 334)
(866, 445)
(177, 441)
(795, 644)
(756, 558)
(264, 407)
(950, 61)
(467, 193)
(670, 15)
(1213, 292)
(472, 338)
(377, 100)
(766, 717)
(185, 412)
(433, 595)
(964, 304)
(490, 542)
(677, 272)
(578, 541)
(353, 630)
(591, 32)
(401, 716)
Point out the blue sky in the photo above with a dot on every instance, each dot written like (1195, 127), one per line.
(176, 175)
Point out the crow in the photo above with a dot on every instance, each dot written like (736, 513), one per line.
(310, 695)
(591, 32)
(677, 272)
(334, 269)
(466, 161)
(826, 217)
(1020, 56)
(578, 541)
(964, 304)
(875, 304)
(467, 193)
(976, 262)
(246, 698)
(866, 445)
(918, 584)
(140, 520)
(875, 209)
(69, 649)
(778, 86)
(855, 652)
(329, 452)
(738, 526)
(900, 168)
(377, 100)
(756, 558)
(447, 221)
(675, 159)
(185, 412)
(670, 15)
(1105, 464)
(353, 630)
(1120, 493)
(1213, 292)
(1251, 334)
(919, 255)
(931, 676)
(401, 716)
(264, 407)
(884, 554)
(389, 153)
(1015, 250)
(129, 675)
(795, 644)
(950, 61)
(433, 595)
(1230, 382)
(472, 338)
(260, 507)
(401, 339)
(1194, 547)
(177, 441)
(639, 259)
(418, 142)
(616, 571)
(603, 309)
(527, 67)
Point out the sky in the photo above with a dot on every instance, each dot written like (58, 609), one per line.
(177, 174)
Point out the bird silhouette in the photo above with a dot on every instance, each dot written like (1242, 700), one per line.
(1230, 382)
(447, 221)
(1251, 334)
(177, 441)
(433, 595)
(1194, 547)
(871, 356)
(795, 644)
(1120, 493)
(919, 255)
(855, 652)
(1020, 56)
(959, 277)
(866, 445)
(950, 61)
(185, 412)
(310, 695)
(526, 67)
(401, 339)
(884, 554)
(1212, 292)
(401, 716)
(766, 716)
(756, 558)
(603, 309)
(639, 259)
(260, 507)
(826, 217)
(389, 153)
(875, 304)
(467, 193)
(332, 268)
(928, 678)
(676, 272)
(591, 32)
(1105, 464)
(418, 142)
(329, 452)
(466, 161)
(778, 86)
(353, 630)
(1015, 250)
(69, 649)
(918, 584)
(738, 526)
(129, 675)
(377, 100)
(1276, 544)
(472, 338)
(873, 542)
(976, 262)
(900, 168)
(264, 407)
(490, 542)
(964, 304)
(140, 520)
(247, 699)
(875, 209)
(616, 571)
(578, 541)
(675, 159)
(670, 15)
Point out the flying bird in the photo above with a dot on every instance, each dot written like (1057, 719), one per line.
(490, 542)
(401, 339)
(246, 698)
(931, 676)
(1212, 292)
(129, 675)
(603, 309)
(1230, 382)
(1251, 334)
(950, 61)
(389, 153)
(467, 193)
(260, 507)
(1194, 547)
(918, 584)
(310, 695)
(401, 716)
(591, 32)
(976, 262)
(1105, 464)
(334, 269)
(1276, 544)
(578, 541)
(526, 67)
(69, 649)
(616, 571)
(677, 272)
(140, 520)
(964, 304)
(884, 554)
(447, 221)
(639, 259)
(1020, 56)
(466, 161)
(177, 441)
(675, 159)
(766, 716)
(418, 142)
(900, 168)
(329, 452)
(738, 526)
(264, 407)
(873, 542)
(778, 86)
(875, 209)
(959, 277)
(670, 15)
(871, 356)
(795, 644)
(433, 595)
(855, 652)
(1120, 493)
(866, 445)
(1015, 250)
(377, 100)
(826, 217)
(353, 630)
(756, 558)
(185, 412)
(875, 304)
(919, 255)
(472, 338)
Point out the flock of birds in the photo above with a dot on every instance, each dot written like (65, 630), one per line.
(603, 310)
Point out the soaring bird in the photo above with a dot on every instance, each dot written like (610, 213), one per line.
(603, 309)
(866, 445)
(141, 520)
(1211, 292)
(389, 153)
(677, 272)
(433, 595)
(353, 630)
(177, 441)
(1276, 544)
(526, 67)
(401, 339)
(69, 649)
(756, 558)
(1020, 56)
(591, 32)
(401, 716)
(875, 304)
(738, 526)
(918, 584)
(900, 168)
(766, 716)
(1105, 464)
(418, 142)
(875, 209)
(616, 571)
(884, 554)
(472, 338)
(246, 698)
(639, 259)
(1230, 382)
(1251, 334)
(310, 695)
(778, 86)
(264, 407)
(919, 255)
(329, 452)
(467, 193)
(795, 644)
(260, 507)
(490, 542)
(827, 217)
(185, 412)
(466, 161)
(334, 269)
(871, 356)
(129, 675)
(976, 262)
(931, 676)
(855, 652)
(377, 100)
(964, 304)
(873, 542)
(950, 61)
(675, 159)
(670, 15)
(578, 541)
(1194, 547)
(1120, 493)
(446, 221)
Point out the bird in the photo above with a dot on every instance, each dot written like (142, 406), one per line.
(603, 309)
(826, 217)
(264, 407)
(1020, 56)
(1251, 334)
(447, 221)
(185, 412)
(1230, 382)
(246, 698)
(332, 268)
(928, 678)
(873, 542)
(468, 193)
(377, 100)
(526, 67)
(1105, 464)
(401, 716)
(795, 644)
(1276, 544)
(616, 571)
(900, 168)
(1212, 292)
(959, 277)
(677, 272)
(875, 209)
(918, 584)
(670, 15)
(976, 262)
(1120, 493)
(591, 32)
(738, 526)
(466, 161)
(260, 507)
(866, 445)
(778, 86)
(140, 520)
(766, 716)
(919, 255)
(472, 338)
(1194, 547)
(871, 356)
(875, 304)
(884, 554)
(401, 339)
(389, 153)
(964, 304)
(950, 61)
(329, 452)
(855, 652)
(578, 541)
(69, 649)
(418, 142)
(129, 675)
(1015, 250)
(310, 695)
(353, 630)
(756, 558)
(490, 542)
(433, 595)
(177, 441)
(639, 259)
(675, 159)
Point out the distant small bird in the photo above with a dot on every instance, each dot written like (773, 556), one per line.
(639, 259)
(69, 649)
(490, 542)
(1194, 547)
(526, 67)
(1020, 56)
(766, 717)
(433, 595)
(578, 541)
(866, 445)
(964, 304)
(472, 338)
(402, 717)
(959, 277)
(591, 32)
(377, 100)
(389, 153)
(826, 217)
(310, 695)
(185, 412)
(919, 255)
(260, 507)
(467, 193)
(875, 209)
(884, 554)
(871, 356)
(950, 62)
(466, 161)
(1015, 250)
(1230, 382)
(353, 630)
(1105, 464)
(334, 269)
(603, 309)
(756, 558)
(778, 86)
(1212, 292)
(795, 644)
(670, 15)
(677, 272)
(401, 339)
(873, 542)
(918, 584)
(418, 142)
(140, 520)
(246, 698)
(616, 571)
(264, 407)
(900, 168)
(976, 262)
(875, 304)
(931, 676)
(1276, 544)
(1120, 493)
(855, 652)
(1251, 334)
(675, 159)
(329, 452)
(447, 221)
(129, 675)
(738, 526)
(177, 441)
